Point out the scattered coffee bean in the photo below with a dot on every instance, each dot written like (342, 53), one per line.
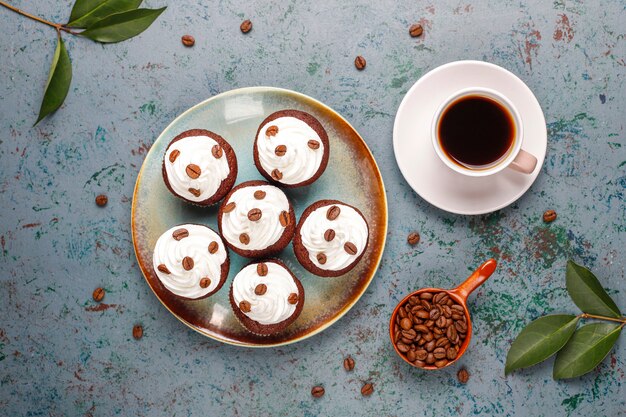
(173, 155)
(549, 216)
(360, 63)
(246, 26)
(188, 40)
(181, 233)
(348, 363)
(317, 391)
(293, 298)
(205, 282)
(463, 376)
(280, 150)
(413, 238)
(102, 200)
(193, 171)
(329, 235)
(260, 289)
(367, 389)
(259, 194)
(261, 269)
(255, 215)
(98, 294)
(229, 207)
(313, 144)
(416, 30)
(271, 131)
(428, 328)
(284, 219)
(213, 247)
(137, 331)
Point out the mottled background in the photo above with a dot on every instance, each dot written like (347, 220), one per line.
(62, 354)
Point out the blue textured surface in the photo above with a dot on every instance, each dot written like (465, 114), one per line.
(61, 354)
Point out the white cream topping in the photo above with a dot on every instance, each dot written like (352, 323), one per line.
(300, 162)
(170, 252)
(262, 233)
(349, 226)
(196, 150)
(273, 306)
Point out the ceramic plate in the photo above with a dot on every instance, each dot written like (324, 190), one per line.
(428, 175)
(351, 176)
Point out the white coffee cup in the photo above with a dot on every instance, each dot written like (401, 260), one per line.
(515, 157)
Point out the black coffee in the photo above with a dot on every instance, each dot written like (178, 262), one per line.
(475, 131)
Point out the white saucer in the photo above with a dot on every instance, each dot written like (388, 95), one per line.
(428, 175)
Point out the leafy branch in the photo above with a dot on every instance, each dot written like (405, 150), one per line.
(104, 21)
(579, 350)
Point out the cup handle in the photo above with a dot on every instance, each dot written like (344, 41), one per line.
(524, 162)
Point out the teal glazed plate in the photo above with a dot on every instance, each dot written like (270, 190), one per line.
(351, 176)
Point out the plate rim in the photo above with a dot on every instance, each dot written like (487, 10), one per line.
(410, 92)
(374, 270)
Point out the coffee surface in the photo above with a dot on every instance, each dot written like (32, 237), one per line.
(476, 131)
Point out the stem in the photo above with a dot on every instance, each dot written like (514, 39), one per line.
(56, 26)
(593, 316)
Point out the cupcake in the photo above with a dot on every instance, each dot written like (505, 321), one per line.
(191, 261)
(291, 148)
(331, 238)
(200, 167)
(266, 297)
(256, 219)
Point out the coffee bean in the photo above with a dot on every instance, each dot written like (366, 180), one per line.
(419, 363)
(259, 194)
(329, 235)
(406, 324)
(213, 247)
(348, 363)
(350, 248)
(549, 216)
(413, 238)
(426, 305)
(333, 212)
(421, 328)
(255, 215)
(409, 334)
(451, 333)
(284, 218)
(438, 297)
(416, 30)
(402, 347)
(401, 313)
(360, 63)
(435, 313)
(102, 200)
(447, 311)
(293, 298)
(413, 300)
(217, 151)
(422, 314)
(277, 175)
(426, 296)
(321, 258)
(442, 341)
(173, 155)
(195, 192)
(179, 234)
(205, 282)
(430, 359)
(137, 331)
(271, 131)
(411, 355)
(461, 327)
(313, 144)
(280, 150)
(459, 309)
(441, 363)
(245, 306)
(187, 263)
(463, 376)
(244, 238)
(229, 207)
(98, 294)
(261, 269)
(193, 171)
(246, 26)
(260, 289)
(428, 336)
(163, 269)
(439, 353)
(367, 389)
(421, 354)
(188, 40)
(451, 353)
(430, 346)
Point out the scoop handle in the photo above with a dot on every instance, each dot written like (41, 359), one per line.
(475, 280)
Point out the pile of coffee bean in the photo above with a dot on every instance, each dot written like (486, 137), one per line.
(429, 329)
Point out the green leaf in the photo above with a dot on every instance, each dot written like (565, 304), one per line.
(82, 7)
(539, 340)
(587, 292)
(59, 81)
(102, 10)
(121, 26)
(585, 350)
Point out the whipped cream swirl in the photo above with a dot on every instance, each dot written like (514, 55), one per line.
(299, 162)
(264, 232)
(273, 306)
(196, 150)
(349, 226)
(169, 254)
